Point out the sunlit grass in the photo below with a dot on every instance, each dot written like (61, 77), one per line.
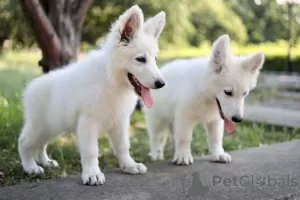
(22, 60)
(269, 49)
(26, 59)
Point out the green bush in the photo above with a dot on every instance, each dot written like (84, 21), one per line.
(272, 63)
(278, 63)
(276, 54)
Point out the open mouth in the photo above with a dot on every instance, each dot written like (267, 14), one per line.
(141, 90)
(228, 124)
(220, 109)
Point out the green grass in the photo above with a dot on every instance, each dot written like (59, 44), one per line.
(269, 49)
(26, 59)
(12, 81)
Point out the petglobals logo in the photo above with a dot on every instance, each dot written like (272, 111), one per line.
(255, 180)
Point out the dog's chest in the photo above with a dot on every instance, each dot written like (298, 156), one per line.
(206, 112)
(116, 107)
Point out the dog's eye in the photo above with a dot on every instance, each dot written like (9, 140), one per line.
(245, 93)
(228, 93)
(141, 59)
(156, 57)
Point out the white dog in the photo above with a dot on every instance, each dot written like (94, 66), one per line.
(209, 90)
(95, 95)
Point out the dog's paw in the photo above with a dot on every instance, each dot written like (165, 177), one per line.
(221, 157)
(183, 158)
(156, 156)
(34, 170)
(93, 178)
(50, 163)
(135, 168)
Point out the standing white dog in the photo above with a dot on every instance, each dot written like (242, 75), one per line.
(210, 90)
(94, 95)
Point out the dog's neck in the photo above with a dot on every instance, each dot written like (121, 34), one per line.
(115, 72)
(117, 75)
(206, 91)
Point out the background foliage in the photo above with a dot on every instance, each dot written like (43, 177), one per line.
(189, 22)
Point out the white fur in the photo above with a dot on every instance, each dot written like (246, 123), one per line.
(92, 96)
(190, 95)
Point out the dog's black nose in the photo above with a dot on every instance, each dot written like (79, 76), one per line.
(159, 84)
(237, 119)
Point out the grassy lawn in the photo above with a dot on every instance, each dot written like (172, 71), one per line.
(269, 49)
(15, 73)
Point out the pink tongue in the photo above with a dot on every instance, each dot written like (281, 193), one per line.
(229, 125)
(146, 96)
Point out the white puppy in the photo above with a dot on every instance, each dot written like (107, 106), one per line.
(210, 90)
(94, 95)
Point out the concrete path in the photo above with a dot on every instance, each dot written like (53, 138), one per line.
(280, 81)
(282, 112)
(285, 104)
(291, 95)
(276, 115)
(270, 172)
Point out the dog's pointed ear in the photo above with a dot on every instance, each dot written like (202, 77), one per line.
(254, 62)
(156, 24)
(221, 50)
(130, 23)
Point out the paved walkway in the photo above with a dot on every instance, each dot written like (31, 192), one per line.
(270, 172)
(282, 112)
(274, 114)
(282, 104)
(268, 80)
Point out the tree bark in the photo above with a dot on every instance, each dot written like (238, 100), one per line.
(57, 26)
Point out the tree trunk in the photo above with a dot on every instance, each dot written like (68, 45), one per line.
(57, 26)
(2, 40)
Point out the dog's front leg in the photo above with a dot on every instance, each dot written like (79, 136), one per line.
(87, 137)
(183, 131)
(215, 131)
(119, 139)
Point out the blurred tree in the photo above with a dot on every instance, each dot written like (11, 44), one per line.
(265, 20)
(214, 19)
(5, 24)
(56, 25)
(103, 12)
(12, 25)
(188, 22)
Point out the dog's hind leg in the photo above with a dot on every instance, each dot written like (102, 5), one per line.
(28, 148)
(43, 159)
(119, 139)
(158, 132)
